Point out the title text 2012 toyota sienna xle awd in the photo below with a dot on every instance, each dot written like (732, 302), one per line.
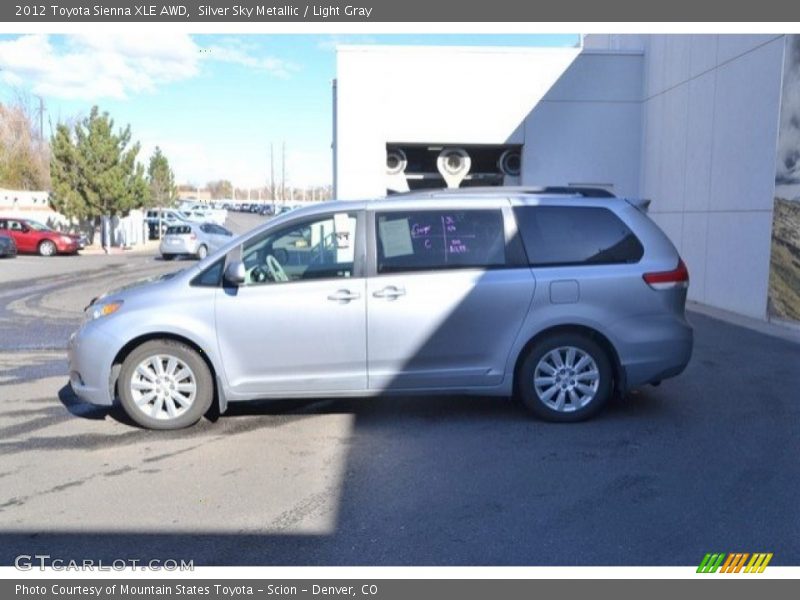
(557, 295)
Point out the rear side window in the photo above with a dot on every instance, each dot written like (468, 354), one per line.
(178, 229)
(561, 235)
(426, 240)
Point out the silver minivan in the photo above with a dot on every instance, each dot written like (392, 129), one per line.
(559, 296)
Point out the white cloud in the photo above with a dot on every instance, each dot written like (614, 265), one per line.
(331, 42)
(96, 66)
(234, 51)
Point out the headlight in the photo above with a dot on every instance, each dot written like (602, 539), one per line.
(95, 311)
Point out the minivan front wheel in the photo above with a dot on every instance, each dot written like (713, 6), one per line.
(164, 384)
(566, 377)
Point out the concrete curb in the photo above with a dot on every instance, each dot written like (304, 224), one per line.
(780, 329)
(148, 247)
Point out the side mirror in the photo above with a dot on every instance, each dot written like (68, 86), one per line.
(235, 272)
(25, 229)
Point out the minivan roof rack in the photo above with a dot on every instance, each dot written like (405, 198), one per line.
(565, 190)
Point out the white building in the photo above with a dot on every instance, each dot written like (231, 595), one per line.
(688, 121)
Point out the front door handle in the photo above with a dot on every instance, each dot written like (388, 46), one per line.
(390, 292)
(343, 296)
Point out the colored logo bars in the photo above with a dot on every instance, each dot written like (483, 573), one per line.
(735, 562)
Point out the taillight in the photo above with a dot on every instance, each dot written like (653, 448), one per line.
(664, 280)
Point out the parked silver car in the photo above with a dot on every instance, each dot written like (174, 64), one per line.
(193, 239)
(557, 295)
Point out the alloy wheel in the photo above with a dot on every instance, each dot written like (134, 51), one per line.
(566, 379)
(163, 387)
(47, 248)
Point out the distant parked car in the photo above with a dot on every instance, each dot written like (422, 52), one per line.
(193, 239)
(266, 210)
(167, 217)
(198, 211)
(81, 238)
(33, 237)
(7, 246)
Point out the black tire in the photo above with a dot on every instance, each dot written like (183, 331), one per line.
(47, 248)
(204, 385)
(168, 256)
(202, 252)
(543, 408)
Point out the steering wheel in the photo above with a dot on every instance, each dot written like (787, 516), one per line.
(275, 269)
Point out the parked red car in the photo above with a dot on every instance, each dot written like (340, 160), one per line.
(33, 237)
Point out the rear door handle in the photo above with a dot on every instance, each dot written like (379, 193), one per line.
(390, 292)
(343, 296)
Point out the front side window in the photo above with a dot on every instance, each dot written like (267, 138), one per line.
(439, 239)
(212, 276)
(576, 235)
(321, 248)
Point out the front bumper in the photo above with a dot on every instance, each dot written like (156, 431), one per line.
(66, 248)
(90, 353)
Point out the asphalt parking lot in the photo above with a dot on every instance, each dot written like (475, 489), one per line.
(707, 462)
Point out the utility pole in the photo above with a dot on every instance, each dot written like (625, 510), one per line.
(41, 118)
(283, 172)
(271, 174)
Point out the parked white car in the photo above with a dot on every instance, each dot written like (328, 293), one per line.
(204, 213)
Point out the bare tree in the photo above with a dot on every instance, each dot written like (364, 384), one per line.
(24, 153)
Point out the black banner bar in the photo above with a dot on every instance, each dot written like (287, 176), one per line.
(369, 11)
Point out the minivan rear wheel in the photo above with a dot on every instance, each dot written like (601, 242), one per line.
(164, 384)
(565, 378)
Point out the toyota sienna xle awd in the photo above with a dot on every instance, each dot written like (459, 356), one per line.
(557, 295)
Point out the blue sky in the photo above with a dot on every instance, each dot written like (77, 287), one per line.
(212, 102)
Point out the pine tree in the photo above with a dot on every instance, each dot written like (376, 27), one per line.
(94, 170)
(161, 180)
